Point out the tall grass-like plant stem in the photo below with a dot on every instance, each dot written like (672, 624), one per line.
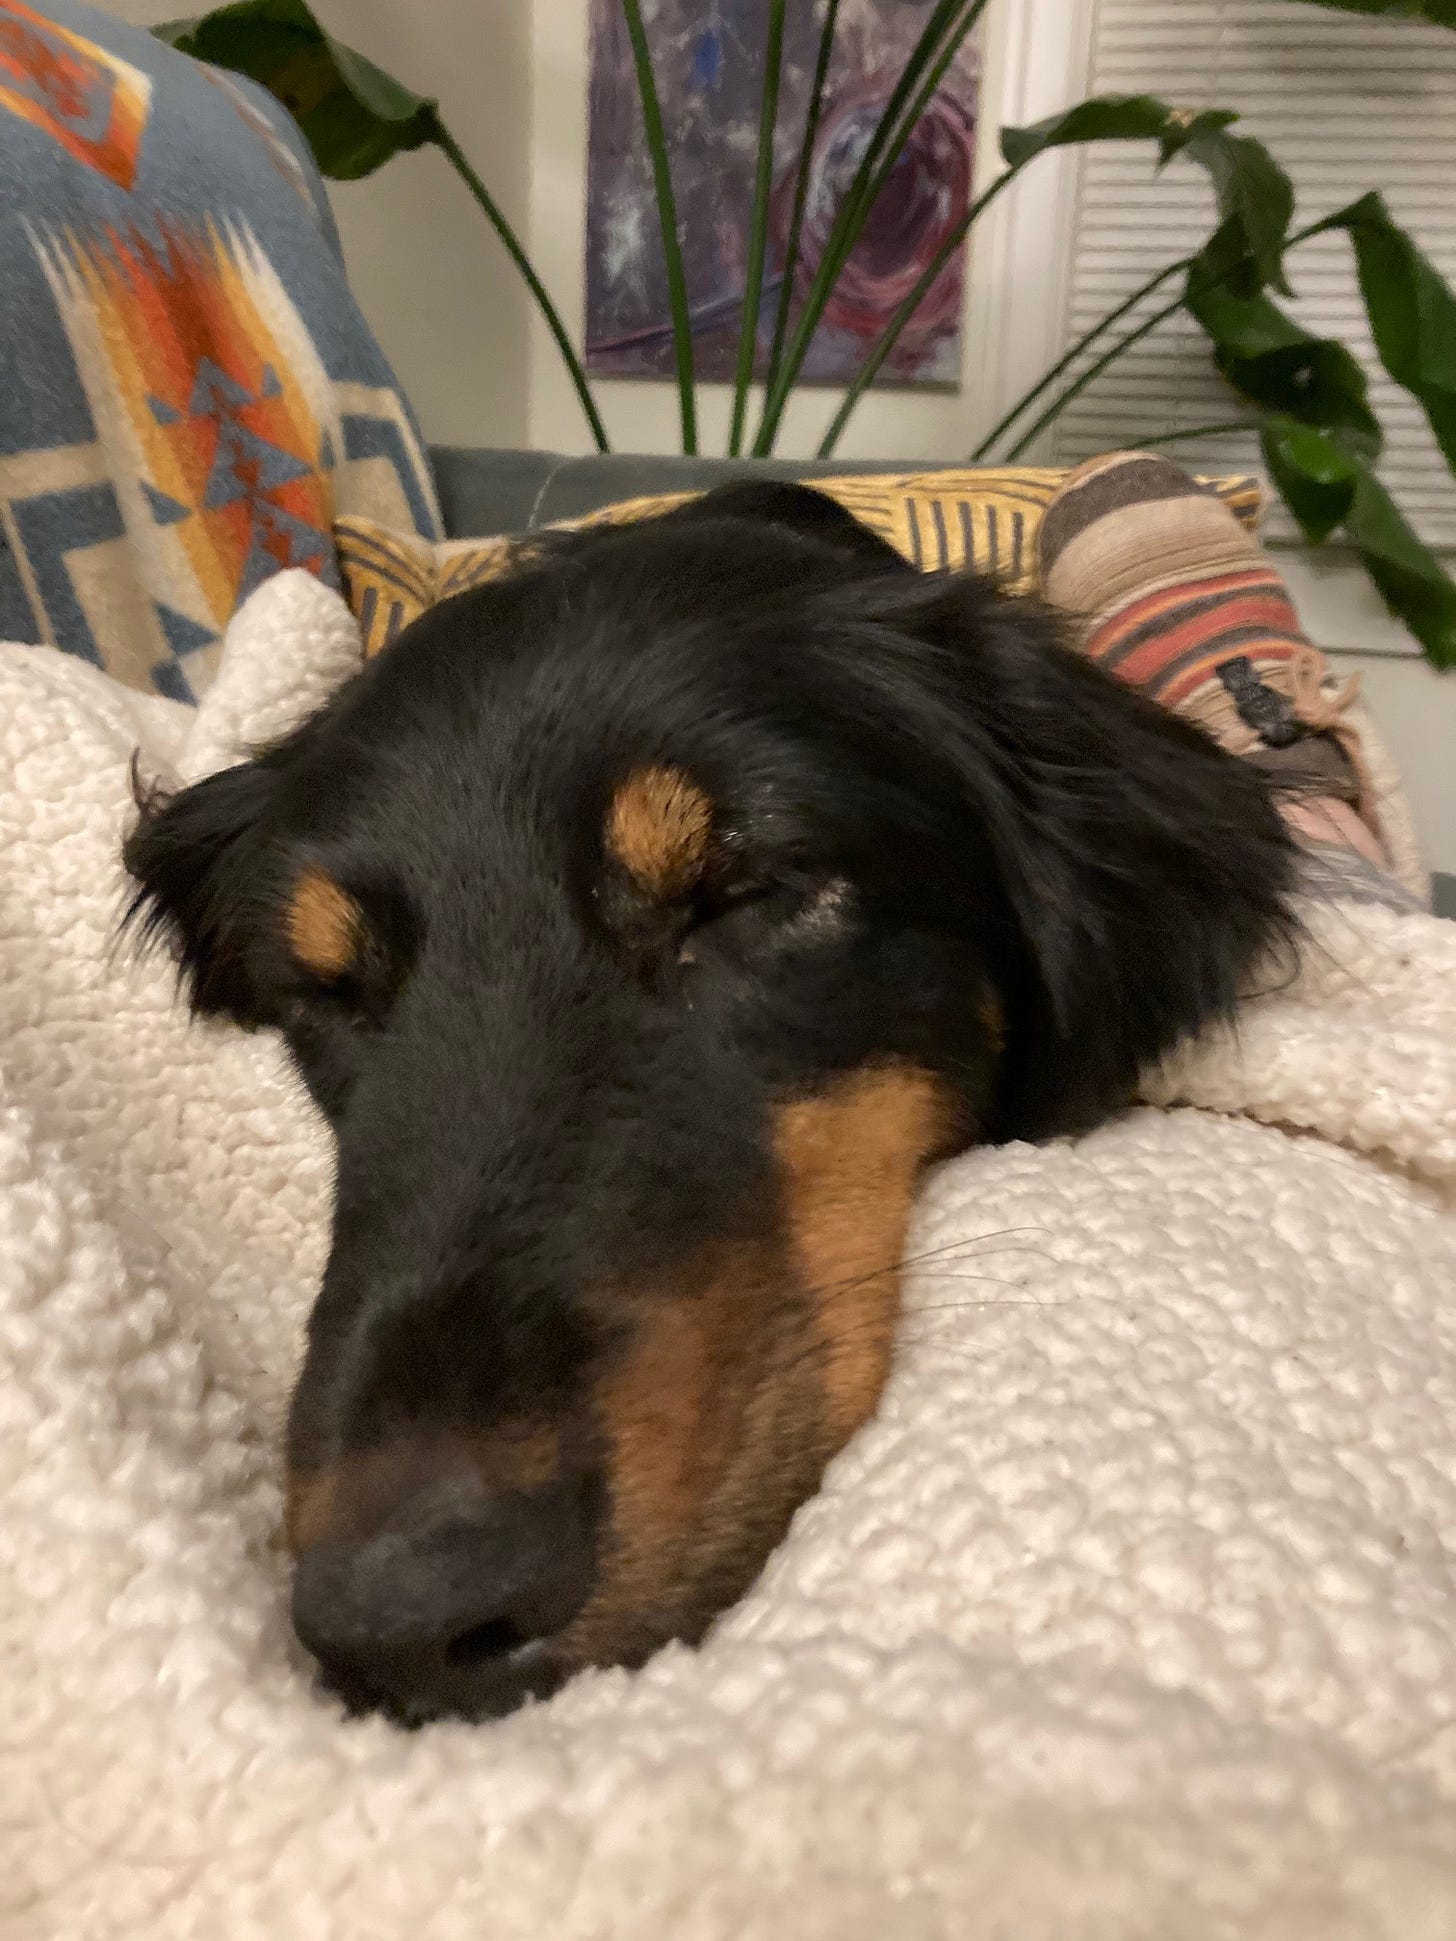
(1145, 329)
(758, 228)
(1083, 344)
(677, 289)
(953, 17)
(801, 194)
(890, 335)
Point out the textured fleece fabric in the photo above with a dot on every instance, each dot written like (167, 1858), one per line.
(1131, 1618)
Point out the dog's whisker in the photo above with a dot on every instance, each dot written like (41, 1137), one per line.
(911, 1314)
(972, 1303)
(819, 1346)
(827, 1290)
(990, 1280)
(905, 1322)
(976, 1240)
(901, 1325)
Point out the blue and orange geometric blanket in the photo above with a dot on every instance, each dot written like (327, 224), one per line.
(189, 395)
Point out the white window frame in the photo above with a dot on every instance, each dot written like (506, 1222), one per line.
(1038, 60)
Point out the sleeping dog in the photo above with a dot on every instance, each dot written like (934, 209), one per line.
(644, 926)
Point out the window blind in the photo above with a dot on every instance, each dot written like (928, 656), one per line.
(1347, 103)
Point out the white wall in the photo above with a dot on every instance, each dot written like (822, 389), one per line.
(1415, 711)
(438, 288)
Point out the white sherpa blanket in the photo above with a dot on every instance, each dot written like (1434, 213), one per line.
(1132, 1618)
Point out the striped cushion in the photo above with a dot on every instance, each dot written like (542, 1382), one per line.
(987, 518)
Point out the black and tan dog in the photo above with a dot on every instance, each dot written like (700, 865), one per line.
(644, 926)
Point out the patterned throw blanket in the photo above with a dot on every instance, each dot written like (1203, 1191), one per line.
(190, 394)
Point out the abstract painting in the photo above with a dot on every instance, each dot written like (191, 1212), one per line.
(708, 58)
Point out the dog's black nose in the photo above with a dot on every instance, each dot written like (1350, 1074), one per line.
(451, 1605)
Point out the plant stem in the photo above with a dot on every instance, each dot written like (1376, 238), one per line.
(890, 335)
(930, 87)
(1094, 370)
(885, 145)
(1083, 343)
(1200, 431)
(758, 231)
(677, 289)
(440, 135)
(950, 25)
(801, 194)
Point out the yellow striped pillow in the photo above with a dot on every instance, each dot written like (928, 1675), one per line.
(984, 518)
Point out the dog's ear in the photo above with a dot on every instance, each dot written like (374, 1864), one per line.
(1142, 874)
(196, 861)
(799, 509)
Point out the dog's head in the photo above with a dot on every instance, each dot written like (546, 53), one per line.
(644, 926)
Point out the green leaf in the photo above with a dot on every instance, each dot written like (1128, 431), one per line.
(1412, 313)
(1113, 118)
(1315, 477)
(1280, 366)
(1411, 580)
(353, 115)
(1253, 191)
(1442, 12)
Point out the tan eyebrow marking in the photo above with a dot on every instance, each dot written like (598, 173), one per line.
(658, 828)
(325, 925)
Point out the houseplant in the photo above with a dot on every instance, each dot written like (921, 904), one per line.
(1308, 395)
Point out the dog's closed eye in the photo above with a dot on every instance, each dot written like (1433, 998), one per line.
(352, 948)
(758, 918)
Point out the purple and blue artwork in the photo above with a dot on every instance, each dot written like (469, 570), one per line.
(708, 58)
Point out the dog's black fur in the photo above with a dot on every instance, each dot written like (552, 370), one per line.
(570, 1371)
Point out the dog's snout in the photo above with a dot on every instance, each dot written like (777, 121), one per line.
(451, 1603)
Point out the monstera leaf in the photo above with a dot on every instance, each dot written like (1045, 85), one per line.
(353, 115)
